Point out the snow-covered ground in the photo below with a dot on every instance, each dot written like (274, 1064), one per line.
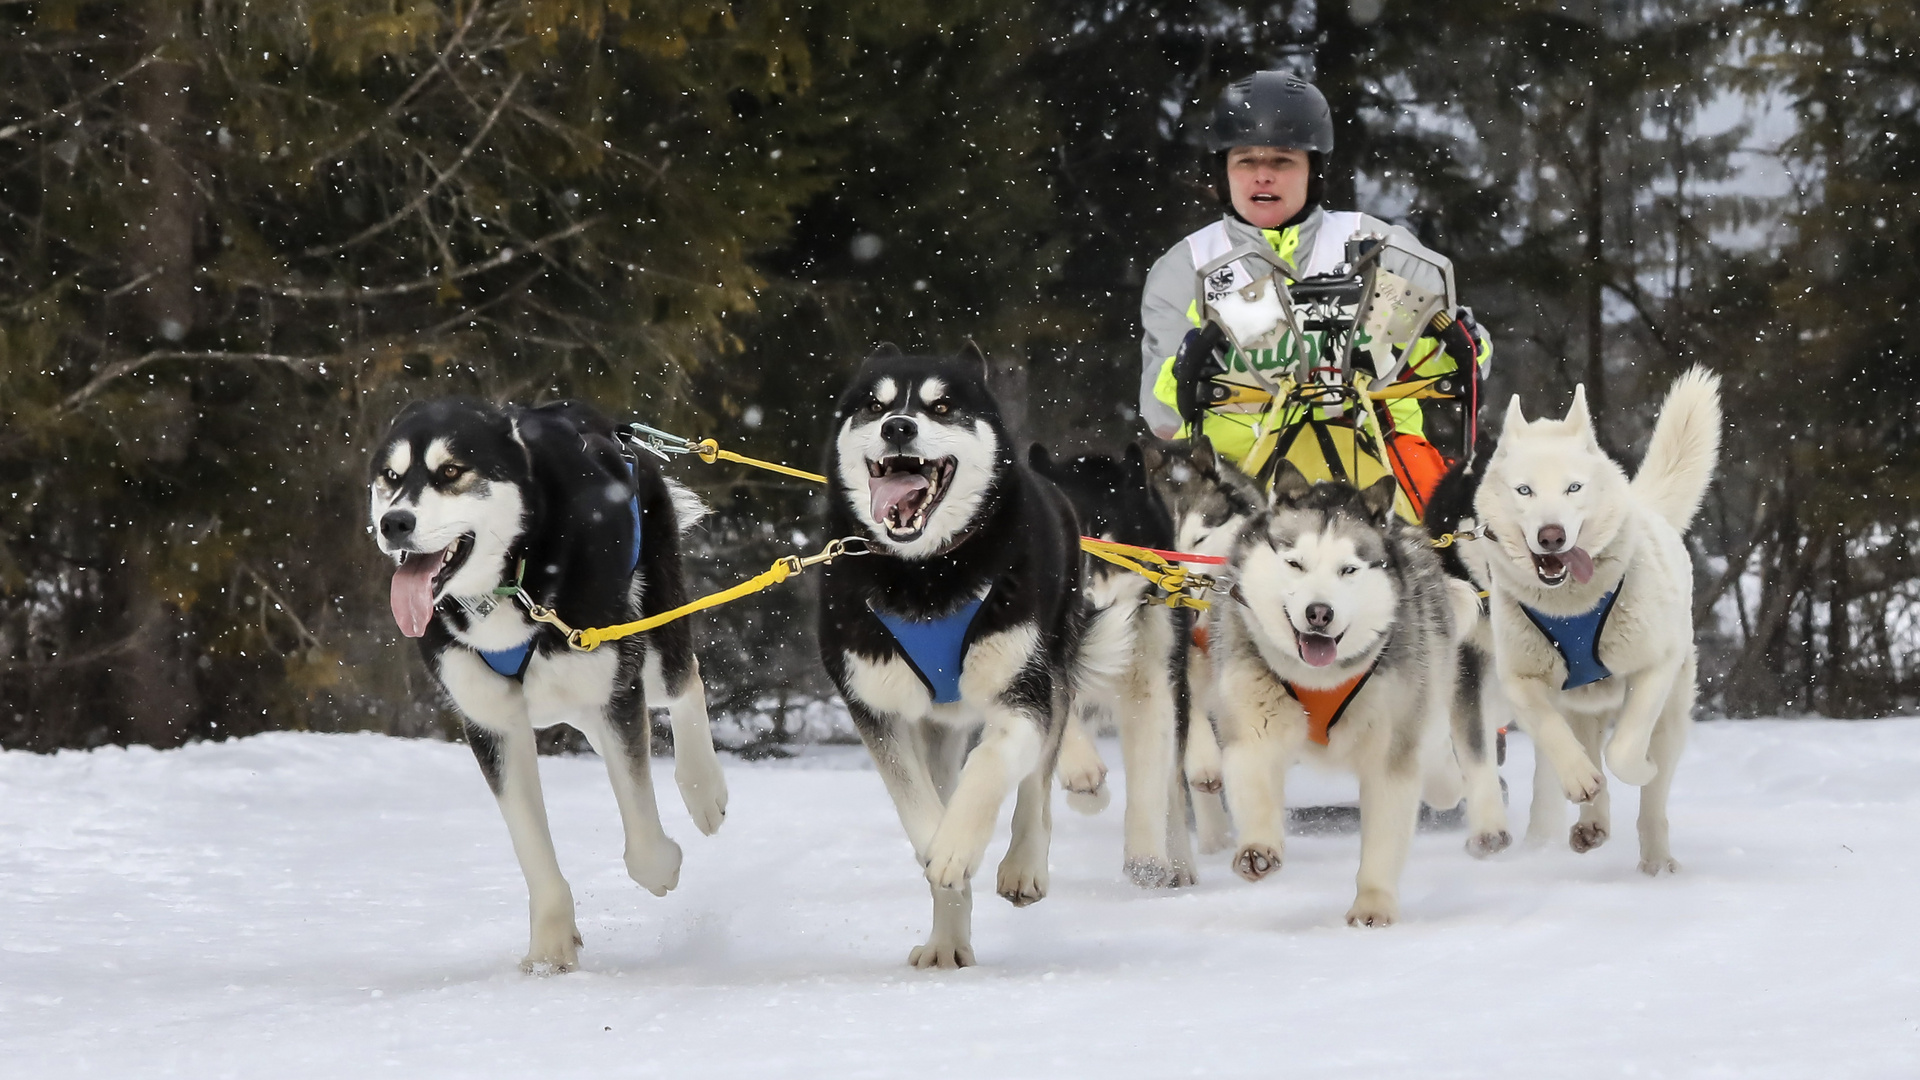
(332, 906)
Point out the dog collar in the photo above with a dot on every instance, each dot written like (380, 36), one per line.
(1324, 708)
(482, 606)
(1577, 639)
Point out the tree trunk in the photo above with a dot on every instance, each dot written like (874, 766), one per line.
(160, 249)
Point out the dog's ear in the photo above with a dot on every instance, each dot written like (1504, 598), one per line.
(1515, 418)
(1200, 452)
(886, 350)
(970, 353)
(1378, 497)
(1039, 460)
(1149, 451)
(1579, 419)
(1289, 483)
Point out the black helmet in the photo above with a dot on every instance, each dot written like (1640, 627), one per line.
(1271, 108)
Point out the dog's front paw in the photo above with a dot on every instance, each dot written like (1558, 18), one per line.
(1373, 908)
(703, 787)
(1205, 780)
(1084, 777)
(1090, 802)
(1587, 835)
(1020, 882)
(1149, 871)
(1583, 782)
(1182, 877)
(1489, 843)
(1632, 768)
(1659, 864)
(555, 950)
(656, 866)
(941, 955)
(950, 865)
(1255, 861)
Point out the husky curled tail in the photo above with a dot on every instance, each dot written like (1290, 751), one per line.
(1680, 458)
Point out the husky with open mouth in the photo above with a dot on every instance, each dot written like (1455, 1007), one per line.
(964, 618)
(1592, 602)
(1339, 648)
(477, 503)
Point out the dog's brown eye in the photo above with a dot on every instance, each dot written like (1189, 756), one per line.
(876, 407)
(451, 471)
(389, 476)
(940, 408)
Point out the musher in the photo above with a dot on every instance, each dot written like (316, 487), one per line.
(1270, 136)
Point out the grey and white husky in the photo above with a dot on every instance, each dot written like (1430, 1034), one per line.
(965, 619)
(473, 500)
(1592, 602)
(1210, 501)
(1134, 665)
(1341, 647)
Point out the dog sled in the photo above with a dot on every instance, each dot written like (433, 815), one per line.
(1352, 348)
(1349, 345)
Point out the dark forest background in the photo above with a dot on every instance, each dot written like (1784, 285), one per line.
(236, 236)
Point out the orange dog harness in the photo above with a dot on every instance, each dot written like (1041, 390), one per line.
(1325, 707)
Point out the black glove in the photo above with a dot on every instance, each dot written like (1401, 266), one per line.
(1197, 362)
(1460, 338)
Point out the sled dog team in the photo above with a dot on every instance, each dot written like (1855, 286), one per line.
(972, 638)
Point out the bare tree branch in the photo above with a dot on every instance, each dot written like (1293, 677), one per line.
(121, 368)
(502, 258)
(8, 132)
(400, 103)
(426, 193)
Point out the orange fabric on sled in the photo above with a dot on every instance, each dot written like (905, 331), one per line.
(1418, 465)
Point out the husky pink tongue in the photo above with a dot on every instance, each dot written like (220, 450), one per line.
(1580, 563)
(1318, 649)
(897, 492)
(413, 593)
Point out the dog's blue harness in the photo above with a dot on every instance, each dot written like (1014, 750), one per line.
(935, 648)
(1577, 639)
(512, 662)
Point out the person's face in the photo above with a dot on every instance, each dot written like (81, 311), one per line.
(1268, 185)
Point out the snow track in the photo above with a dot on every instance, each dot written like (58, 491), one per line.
(329, 906)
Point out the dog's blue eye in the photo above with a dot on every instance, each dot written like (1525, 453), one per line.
(1348, 571)
(1524, 490)
(1573, 487)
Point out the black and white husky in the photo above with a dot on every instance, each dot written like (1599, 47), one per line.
(1135, 667)
(965, 618)
(474, 501)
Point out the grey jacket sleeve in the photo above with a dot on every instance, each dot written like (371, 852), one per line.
(1168, 293)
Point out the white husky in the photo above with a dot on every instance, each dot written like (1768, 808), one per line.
(1592, 601)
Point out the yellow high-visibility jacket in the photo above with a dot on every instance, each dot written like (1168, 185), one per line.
(1170, 307)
